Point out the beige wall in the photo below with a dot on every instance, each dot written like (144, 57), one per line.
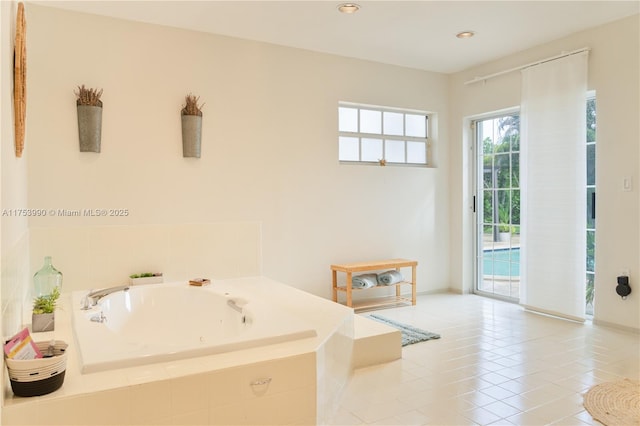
(269, 151)
(14, 233)
(613, 74)
(13, 236)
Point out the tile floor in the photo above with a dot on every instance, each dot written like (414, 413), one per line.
(495, 364)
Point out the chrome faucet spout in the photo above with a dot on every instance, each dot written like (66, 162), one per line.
(94, 296)
(233, 305)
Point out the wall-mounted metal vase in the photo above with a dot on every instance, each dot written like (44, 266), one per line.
(89, 127)
(191, 135)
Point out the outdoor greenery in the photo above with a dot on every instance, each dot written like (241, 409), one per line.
(591, 120)
(502, 175)
(591, 247)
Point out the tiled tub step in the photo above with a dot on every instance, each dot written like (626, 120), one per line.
(374, 342)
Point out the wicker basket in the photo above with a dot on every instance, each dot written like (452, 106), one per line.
(40, 376)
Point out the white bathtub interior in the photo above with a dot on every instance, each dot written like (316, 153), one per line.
(163, 322)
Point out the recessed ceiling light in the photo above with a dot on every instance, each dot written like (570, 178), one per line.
(465, 34)
(349, 8)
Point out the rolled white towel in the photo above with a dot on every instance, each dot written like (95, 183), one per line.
(364, 281)
(390, 277)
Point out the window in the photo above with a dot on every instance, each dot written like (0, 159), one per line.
(382, 135)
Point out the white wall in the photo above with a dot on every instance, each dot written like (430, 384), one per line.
(613, 74)
(14, 232)
(269, 151)
(102, 256)
(14, 249)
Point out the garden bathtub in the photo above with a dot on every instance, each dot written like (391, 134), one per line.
(171, 321)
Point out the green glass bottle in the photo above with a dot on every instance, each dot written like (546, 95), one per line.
(47, 283)
(47, 279)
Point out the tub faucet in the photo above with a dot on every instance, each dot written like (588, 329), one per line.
(94, 296)
(233, 304)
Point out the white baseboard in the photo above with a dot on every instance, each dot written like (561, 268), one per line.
(628, 329)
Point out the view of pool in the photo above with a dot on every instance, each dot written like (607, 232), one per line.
(503, 262)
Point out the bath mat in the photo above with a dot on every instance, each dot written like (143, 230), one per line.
(410, 335)
(614, 403)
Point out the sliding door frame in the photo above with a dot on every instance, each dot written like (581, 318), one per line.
(477, 179)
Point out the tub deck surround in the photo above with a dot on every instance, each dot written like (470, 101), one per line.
(307, 374)
(164, 322)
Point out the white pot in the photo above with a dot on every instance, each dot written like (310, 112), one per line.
(42, 322)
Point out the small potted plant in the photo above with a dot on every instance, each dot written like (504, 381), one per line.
(43, 314)
(191, 126)
(146, 278)
(89, 108)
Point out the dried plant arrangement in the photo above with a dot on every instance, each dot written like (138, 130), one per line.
(89, 97)
(191, 105)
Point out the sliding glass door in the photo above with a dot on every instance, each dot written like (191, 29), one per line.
(497, 205)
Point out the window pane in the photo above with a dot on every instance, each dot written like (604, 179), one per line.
(591, 120)
(504, 210)
(487, 206)
(393, 123)
(348, 149)
(370, 121)
(417, 152)
(347, 119)
(488, 176)
(591, 164)
(590, 291)
(503, 178)
(515, 170)
(508, 129)
(591, 251)
(591, 221)
(371, 149)
(515, 206)
(416, 125)
(394, 151)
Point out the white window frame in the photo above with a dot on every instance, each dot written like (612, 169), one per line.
(386, 137)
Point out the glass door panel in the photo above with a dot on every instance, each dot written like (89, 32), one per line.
(591, 205)
(498, 206)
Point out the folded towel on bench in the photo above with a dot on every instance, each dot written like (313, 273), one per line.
(390, 277)
(364, 281)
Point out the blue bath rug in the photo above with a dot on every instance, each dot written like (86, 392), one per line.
(410, 335)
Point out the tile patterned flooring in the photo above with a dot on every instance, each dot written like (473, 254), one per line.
(495, 364)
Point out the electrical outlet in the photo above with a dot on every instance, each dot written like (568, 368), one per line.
(627, 184)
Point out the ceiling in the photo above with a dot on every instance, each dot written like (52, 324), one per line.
(415, 34)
